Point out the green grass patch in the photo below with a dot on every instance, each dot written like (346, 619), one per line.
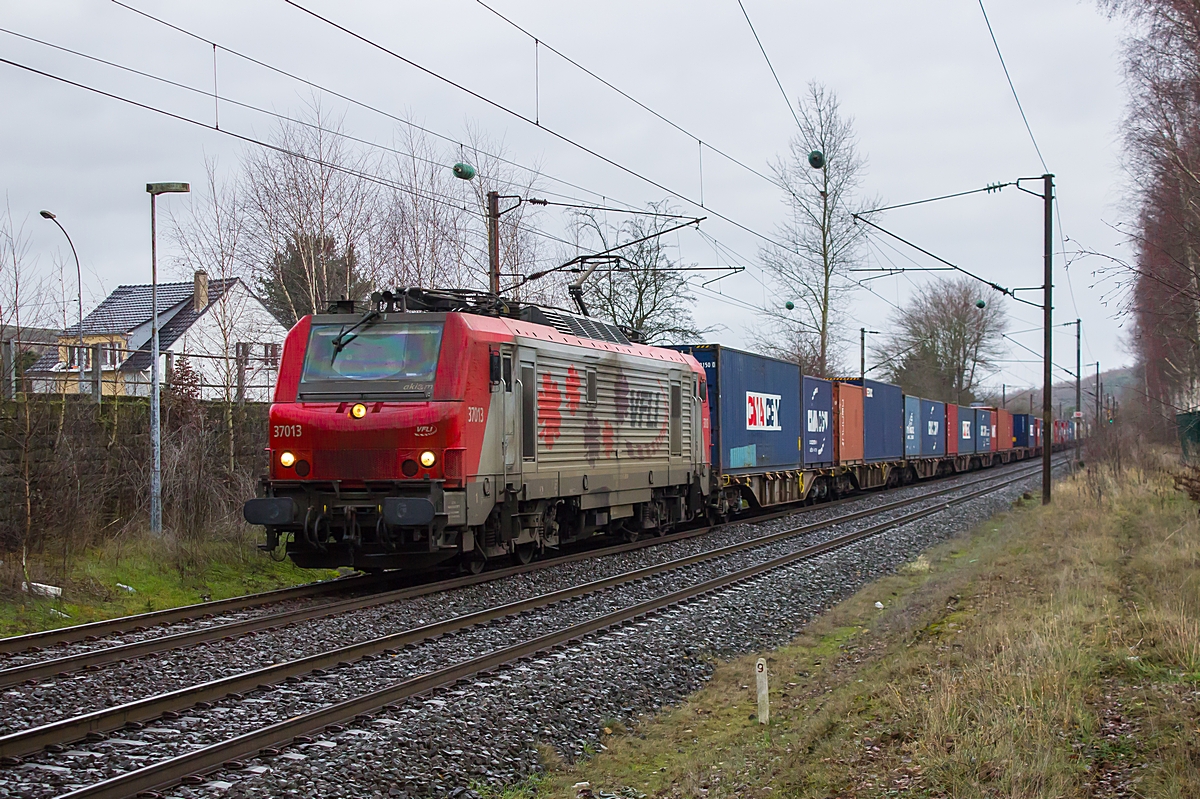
(162, 573)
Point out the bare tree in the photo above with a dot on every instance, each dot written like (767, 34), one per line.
(309, 206)
(647, 290)
(942, 343)
(819, 241)
(428, 226)
(212, 242)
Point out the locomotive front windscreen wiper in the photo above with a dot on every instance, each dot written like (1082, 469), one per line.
(346, 336)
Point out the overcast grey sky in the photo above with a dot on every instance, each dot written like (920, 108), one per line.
(933, 112)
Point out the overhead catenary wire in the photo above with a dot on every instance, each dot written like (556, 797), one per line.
(770, 66)
(590, 73)
(1012, 86)
(367, 176)
(522, 117)
(363, 105)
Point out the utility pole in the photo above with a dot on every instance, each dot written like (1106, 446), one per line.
(1048, 312)
(1077, 419)
(1003, 395)
(1097, 397)
(493, 220)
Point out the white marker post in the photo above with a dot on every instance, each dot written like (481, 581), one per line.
(764, 704)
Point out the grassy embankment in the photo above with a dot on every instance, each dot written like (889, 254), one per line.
(1055, 652)
(163, 574)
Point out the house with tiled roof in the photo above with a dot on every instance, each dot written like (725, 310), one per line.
(217, 331)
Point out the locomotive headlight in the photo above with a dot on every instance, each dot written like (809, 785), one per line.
(428, 459)
(286, 459)
(358, 411)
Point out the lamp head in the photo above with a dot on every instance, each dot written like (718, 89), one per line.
(980, 304)
(168, 188)
(47, 215)
(816, 159)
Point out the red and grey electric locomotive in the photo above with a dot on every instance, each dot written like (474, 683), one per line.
(434, 426)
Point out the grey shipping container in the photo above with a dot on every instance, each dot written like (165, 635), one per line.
(883, 420)
(933, 429)
(912, 427)
(1020, 430)
(983, 430)
(818, 422)
(754, 404)
(966, 430)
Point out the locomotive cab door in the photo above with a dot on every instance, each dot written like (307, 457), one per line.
(509, 445)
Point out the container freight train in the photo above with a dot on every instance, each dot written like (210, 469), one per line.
(435, 428)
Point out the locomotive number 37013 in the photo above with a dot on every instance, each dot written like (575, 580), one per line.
(287, 430)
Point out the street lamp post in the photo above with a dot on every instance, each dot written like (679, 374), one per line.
(79, 286)
(155, 189)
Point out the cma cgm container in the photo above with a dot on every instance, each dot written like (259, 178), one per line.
(754, 403)
(847, 423)
(933, 429)
(883, 420)
(1020, 426)
(912, 427)
(1004, 429)
(983, 430)
(817, 441)
(966, 432)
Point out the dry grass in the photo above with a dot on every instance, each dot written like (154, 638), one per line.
(1055, 652)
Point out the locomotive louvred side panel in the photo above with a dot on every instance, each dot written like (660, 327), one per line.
(610, 409)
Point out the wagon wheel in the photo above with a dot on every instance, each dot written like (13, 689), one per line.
(474, 564)
(523, 553)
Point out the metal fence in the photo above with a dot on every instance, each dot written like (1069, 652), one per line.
(247, 375)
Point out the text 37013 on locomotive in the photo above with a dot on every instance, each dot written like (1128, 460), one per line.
(432, 428)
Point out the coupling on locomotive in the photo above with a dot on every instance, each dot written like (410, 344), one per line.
(428, 428)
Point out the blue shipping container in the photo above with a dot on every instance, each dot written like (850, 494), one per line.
(754, 403)
(912, 425)
(983, 430)
(933, 429)
(966, 430)
(883, 421)
(818, 421)
(1020, 430)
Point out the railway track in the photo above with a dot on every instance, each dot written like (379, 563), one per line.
(33, 648)
(172, 769)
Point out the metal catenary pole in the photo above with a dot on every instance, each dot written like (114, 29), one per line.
(862, 353)
(1048, 311)
(1079, 386)
(493, 216)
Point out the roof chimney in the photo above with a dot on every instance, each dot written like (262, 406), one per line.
(200, 291)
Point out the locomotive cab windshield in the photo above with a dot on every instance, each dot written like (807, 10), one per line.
(376, 359)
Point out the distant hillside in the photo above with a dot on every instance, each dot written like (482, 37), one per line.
(1121, 382)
